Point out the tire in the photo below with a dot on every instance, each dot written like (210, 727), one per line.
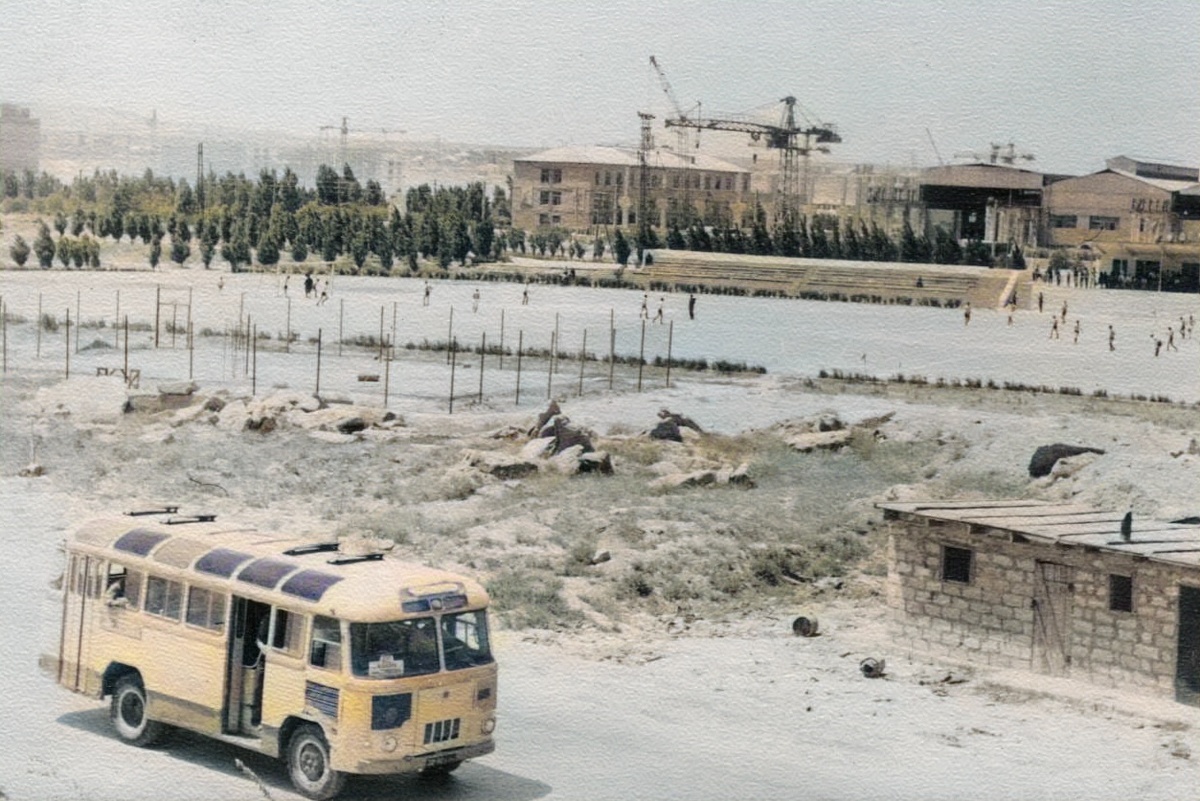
(440, 772)
(308, 765)
(805, 627)
(128, 713)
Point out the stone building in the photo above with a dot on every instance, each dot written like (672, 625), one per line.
(20, 139)
(1056, 588)
(582, 188)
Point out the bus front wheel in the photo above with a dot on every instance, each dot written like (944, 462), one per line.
(128, 713)
(308, 764)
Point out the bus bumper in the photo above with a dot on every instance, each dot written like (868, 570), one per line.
(414, 763)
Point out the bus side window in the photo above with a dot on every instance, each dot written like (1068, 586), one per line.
(326, 648)
(114, 585)
(285, 634)
(133, 587)
(164, 597)
(206, 609)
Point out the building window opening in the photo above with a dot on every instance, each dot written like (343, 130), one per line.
(1099, 223)
(1120, 593)
(956, 564)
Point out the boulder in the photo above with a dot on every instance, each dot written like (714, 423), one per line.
(537, 448)
(667, 430)
(567, 461)
(351, 425)
(1046, 455)
(679, 420)
(500, 465)
(545, 417)
(820, 440)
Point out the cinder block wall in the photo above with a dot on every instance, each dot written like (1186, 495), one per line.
(990, 621)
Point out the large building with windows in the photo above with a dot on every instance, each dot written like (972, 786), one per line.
(1139, 219)
(582, 188)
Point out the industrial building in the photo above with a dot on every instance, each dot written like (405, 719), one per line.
(1056, 588)
(582, 188)
(20, 139)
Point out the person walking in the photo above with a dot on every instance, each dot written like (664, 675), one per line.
(658, 316)
(645, 311)
(692, 306)
(308, 285)
(1054, 328)
(425, 298)
(286, 278)
(1171, 339)
(525, 296)
(967, 314)
(1076, 341)
(1041, 299)
(1112, 338)
(1064, 312)
(475, 301)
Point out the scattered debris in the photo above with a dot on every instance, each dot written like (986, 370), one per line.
(805, 626)
(871, 668)
(32, 470)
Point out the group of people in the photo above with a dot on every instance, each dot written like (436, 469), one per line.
(658, 315)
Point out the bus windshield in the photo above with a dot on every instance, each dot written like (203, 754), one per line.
(410, 647)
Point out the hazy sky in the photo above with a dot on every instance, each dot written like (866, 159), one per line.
(1072, 82)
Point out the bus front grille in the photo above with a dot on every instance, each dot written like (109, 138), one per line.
(442, 731)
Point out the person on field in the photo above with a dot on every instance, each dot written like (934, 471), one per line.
(658, 316)
(1112, 338)
(308, 285)
(967, 314)
(692, 306)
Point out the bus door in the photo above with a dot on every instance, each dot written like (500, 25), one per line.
(245, 666)
(72, 649)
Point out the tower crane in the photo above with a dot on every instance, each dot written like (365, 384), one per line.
(345, 133)
(792, 140)
(680, 114)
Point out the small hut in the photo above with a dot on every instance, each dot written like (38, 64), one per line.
(1057, 588)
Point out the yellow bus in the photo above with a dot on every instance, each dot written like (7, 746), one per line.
(339, 662)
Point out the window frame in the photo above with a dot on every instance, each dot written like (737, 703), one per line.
(952, 568)
(1120, 592)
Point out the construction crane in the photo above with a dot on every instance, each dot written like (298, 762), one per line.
(682, 147)
(645, 145)
(793, 141)
(345, 131)
(1000, 154)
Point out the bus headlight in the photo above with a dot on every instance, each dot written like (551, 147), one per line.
(389, 744)
(489, 726)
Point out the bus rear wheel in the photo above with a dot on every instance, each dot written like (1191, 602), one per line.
(128, 713)
(308, 765)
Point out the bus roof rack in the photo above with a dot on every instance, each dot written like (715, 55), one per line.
(349, 560)
(179, 521)
(166, 510)
(314, 547)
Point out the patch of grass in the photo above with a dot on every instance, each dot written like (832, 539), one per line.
(531, 599)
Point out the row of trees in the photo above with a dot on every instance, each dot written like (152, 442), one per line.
(274, 217)
(823, 238)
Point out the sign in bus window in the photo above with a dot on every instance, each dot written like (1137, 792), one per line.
(164, 597)
(326, 650)
(390, 650)
(206, 609)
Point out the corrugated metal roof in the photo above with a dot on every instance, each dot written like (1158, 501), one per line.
(1166, 184)
(620, 157)
(1066, 524)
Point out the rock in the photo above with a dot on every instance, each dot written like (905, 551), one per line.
(740, 477)
(263, 425)
(1046, 455)
(679, 420)
(600, 557)
(596, 462)
(32, 470)
(537, 448)
(545, 417)
(507, 432)
(500, 465)
(820, 440)
(567, 461)
(351, 425)
(667, 430)
(699, 478)
(214, 404)
(178, 388)
(829, 422)
(1065, 468)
